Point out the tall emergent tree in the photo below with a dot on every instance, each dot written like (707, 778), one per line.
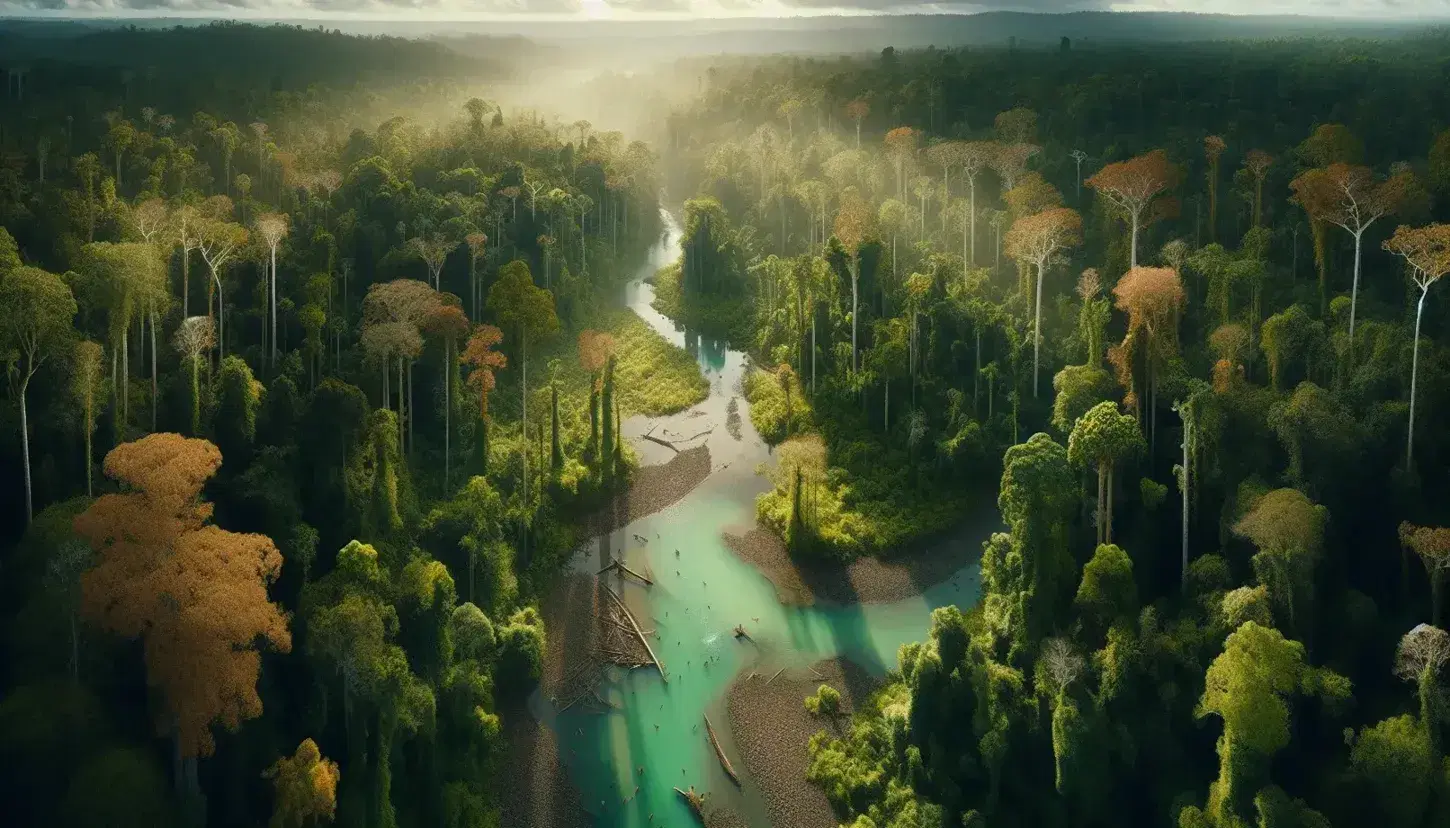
(529, 310)
(480, 356)
(1427, 251)
(36, 309)
(194, 593)
(1104, 437)
(1132, 187)
(1036, 239)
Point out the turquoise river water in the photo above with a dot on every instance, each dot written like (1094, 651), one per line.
(657, 725)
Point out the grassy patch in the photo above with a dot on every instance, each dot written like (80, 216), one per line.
(768, 405)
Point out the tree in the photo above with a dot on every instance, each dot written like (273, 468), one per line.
(1132, 187)
(528, 309)
(1421, 658)
(1394, 758)
(1248, 686)
(194, 337)
(272, 227)
(1433, 547)
(1288, 530)
(1035, 240)
(852, 221)
(1009, 161)
(194, 593)
(219, 240)
(1257, 163)
(477, 246)
(36, 309)
(85, 382)
(1427, 251)
(1104, 438)
(238, 397)
(901, 147)
(127, 274)
(479, 354)
(595, 348)
(447, 322)
(433, 250)
(1016, 126)
(857, 111)
(1351, 198)
(394, 314)
(1153, 299)
(1107, 594)
(1213, 147)
(306, 785)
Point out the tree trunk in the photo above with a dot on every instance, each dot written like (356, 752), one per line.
(196, 395)
(447, 413)
(272, 289)
(1133, 250)
(411, 416)
(855, 286)
(1354, 295)
(972, 219)
(1187, 481)
(153, 370)
(524, 406)
(1102, 500)
(1037, 327)
(1414, 377)
(1108, 528)
(25, 448)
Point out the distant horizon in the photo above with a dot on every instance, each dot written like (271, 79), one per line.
(699, 10)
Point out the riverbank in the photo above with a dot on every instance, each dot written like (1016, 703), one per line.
(532, 785)
(653, 489)
(772, 730)
(896, 576)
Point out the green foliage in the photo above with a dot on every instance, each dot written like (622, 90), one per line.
(1107, 593)
(238, 401)
(1079, 389)
(520, 653)
(768, 405)
(826, 702)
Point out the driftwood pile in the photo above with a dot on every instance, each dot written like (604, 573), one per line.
(619, 641)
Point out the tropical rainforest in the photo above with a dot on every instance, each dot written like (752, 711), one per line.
(318, 378)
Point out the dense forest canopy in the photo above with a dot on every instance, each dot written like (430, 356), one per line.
(318, 378)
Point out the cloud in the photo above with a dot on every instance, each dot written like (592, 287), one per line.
(442, 10)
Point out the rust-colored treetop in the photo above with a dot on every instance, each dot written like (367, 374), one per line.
(902, 141)
(194, 593)
(1036, 237)
(594, 350)
(481, 356)
(476, 243)
(306, 786)
(1426, 249)
(1151, 296)
(1133, 184)
(1258, 162)
(1213, 147)
(858, 109)
(447, 321)
(1350, 196)
(1430, 543)
(402, 300)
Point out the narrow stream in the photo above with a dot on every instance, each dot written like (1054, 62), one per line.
(702, 591)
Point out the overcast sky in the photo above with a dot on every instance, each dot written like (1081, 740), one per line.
(677, 9)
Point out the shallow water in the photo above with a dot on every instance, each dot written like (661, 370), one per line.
(702, 590)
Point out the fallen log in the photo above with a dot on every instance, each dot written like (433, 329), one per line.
(617, 565)
(720, 752)
(697, 801)
(619, 602)
(777, 674)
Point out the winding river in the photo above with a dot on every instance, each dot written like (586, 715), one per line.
(657, 725)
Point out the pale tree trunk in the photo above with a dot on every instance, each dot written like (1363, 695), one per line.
(972, 219)
(524, 406)
(813, 350)
(153, 369)
(1102, 500)
(411, 416)
(1414, 376)
(1133, 249)
(447, 411)
(1354, 294)
(1187, 481)
(272, 289)
(25, 446)
(855, 285)
(1108, 529)
(1037, 327)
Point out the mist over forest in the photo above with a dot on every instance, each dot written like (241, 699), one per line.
(897, 421)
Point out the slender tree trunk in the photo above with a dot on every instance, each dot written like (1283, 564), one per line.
(25, 447)
(1354, 295)
(524, 405)
(1108, 528)
(1037, 327)
(972, 219)
(411, 417)
(447, 413)
(855, 296)
(1414, 377)
(196, 395)
(813, 350)
(1133, 250)
(153, 370)
(272, 290)
(1187, 481)
(1102, 501)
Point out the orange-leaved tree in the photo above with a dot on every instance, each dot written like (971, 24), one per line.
(1035, 240)
(306, 786)
(1152, 297)
(194, 593)
(1213, 147)
(1132, 186)
(480, 355)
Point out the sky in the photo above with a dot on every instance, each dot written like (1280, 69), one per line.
(686, 9)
